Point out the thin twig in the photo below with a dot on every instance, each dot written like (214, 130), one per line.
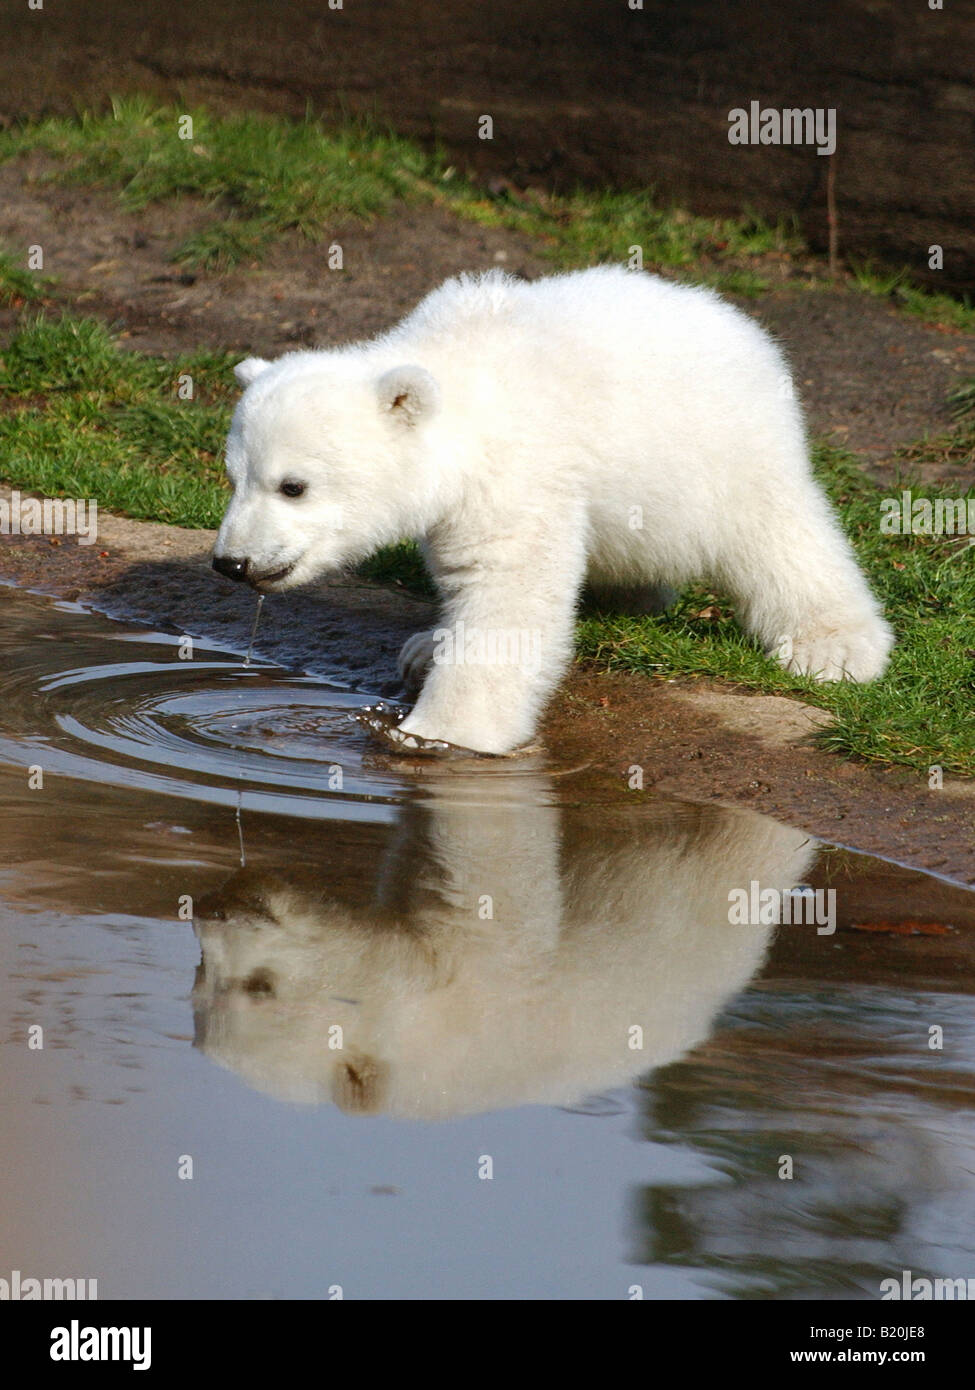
(834, 265)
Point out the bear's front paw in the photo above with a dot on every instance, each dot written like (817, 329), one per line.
(859, 654)
(415, 660)
(481, 737)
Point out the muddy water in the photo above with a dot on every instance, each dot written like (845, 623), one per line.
(447, 1031)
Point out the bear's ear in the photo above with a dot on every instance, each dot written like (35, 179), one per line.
(409, 394)
(248, 370)
(360, 1085)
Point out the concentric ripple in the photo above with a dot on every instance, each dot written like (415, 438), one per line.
(208, 728)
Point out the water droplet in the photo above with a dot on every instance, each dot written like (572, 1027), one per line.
(257, 619)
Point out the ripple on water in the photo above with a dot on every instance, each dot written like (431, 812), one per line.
(209, 728)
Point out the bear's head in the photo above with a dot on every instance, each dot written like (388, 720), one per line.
(326, 457)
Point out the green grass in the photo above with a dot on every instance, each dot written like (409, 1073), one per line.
(962, 402)
(947, 450)
(81, 417)
(925, 304)
(19, 285)
(585, 228)
(401, 566)
(265, 175)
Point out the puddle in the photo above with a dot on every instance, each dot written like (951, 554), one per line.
(451, 1031)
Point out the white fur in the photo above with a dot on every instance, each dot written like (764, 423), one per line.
(602, 425)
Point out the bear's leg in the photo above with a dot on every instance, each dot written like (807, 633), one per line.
(799, 590)
(634, 600)
(505, 640)
(415, 657)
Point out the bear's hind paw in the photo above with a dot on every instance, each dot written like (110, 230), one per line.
(837, 655)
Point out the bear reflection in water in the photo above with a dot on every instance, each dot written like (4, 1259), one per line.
(505, 951)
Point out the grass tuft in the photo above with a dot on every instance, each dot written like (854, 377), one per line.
(925, 304)
(19, 285)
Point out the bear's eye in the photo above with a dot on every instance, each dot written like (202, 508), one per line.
(290, 489)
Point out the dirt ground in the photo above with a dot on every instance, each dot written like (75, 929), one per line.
(870, 378)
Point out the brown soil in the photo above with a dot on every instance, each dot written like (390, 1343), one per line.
(872, 379)
(702, 741)
(119, 266)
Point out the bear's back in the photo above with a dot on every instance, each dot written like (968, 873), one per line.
(603, 314)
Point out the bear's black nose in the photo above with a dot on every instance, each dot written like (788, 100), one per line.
(230, 567)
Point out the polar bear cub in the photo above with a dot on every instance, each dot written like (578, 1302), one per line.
(603, 426)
